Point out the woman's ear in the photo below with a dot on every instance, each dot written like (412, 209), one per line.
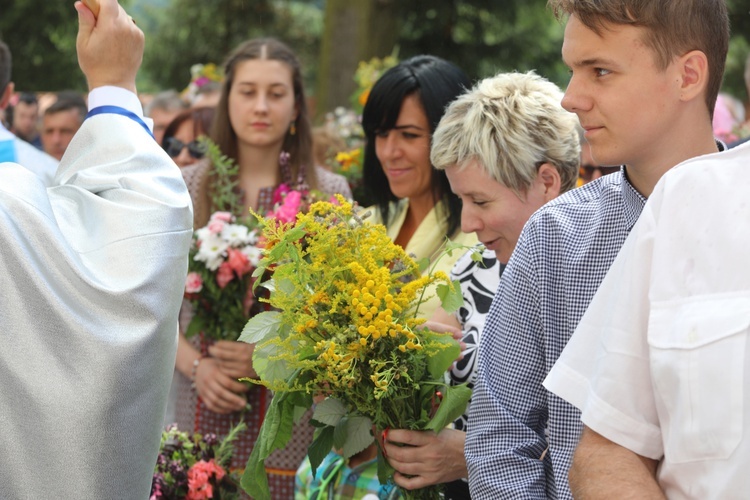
(548, 177)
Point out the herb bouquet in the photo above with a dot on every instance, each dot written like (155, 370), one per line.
(344, 326)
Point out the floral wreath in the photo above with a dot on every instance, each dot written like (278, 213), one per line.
(200, 75)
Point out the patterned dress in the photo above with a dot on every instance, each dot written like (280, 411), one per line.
(192, 415)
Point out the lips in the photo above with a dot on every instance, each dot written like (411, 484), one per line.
(396, 172)
(490, 244)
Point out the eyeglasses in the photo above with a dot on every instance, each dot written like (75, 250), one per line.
(588, 172)
(174, 147)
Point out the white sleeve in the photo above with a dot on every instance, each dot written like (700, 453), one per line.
(604, 370)
(117, 96)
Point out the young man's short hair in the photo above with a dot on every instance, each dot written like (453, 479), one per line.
(674, 28)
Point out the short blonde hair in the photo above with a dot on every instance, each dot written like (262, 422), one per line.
(510, 124)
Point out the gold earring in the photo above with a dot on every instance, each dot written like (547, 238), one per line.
(293, 129)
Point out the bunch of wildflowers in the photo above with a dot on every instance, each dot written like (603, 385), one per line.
(344, 325)
(194, 467)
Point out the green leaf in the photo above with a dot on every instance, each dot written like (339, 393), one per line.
(329, 411)
(196, 326)
(254, 480)
(286, 423)
(340, 433)
(450, 296)
(286, 286)
(258, 271)
(476, 256)
(260, 327)
(423, 263)
(296, 233)
(278, 250)
(274, 433)
(385, 471)
(358, 435)
(451, 407)
(320, 447)
(270, 369)
(439, 362)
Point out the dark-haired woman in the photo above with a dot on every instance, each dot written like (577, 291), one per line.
(413, 200)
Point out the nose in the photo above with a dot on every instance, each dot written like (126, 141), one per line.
(575, 99)
(387, 147)
(470, 222)
(261, 103)
(183, 159)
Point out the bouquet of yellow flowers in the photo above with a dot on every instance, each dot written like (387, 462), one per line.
(345, 326)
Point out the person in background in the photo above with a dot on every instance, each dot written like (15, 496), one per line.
(61, 121)
(181, 135)
(413, 200)
(25, 123)
(507, 147)
(12, 148)
(644, 80)
(162, 109)
(262, 112)
(207, 95)
(589, 170)
(326, 145)
(91, 271)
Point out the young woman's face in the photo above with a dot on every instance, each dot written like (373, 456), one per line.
(261, 102)
(404, 151)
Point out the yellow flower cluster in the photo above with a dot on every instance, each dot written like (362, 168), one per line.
(348, 295)
(349, 159)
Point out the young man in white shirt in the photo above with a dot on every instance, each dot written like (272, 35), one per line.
(644, 80)
(658, 364)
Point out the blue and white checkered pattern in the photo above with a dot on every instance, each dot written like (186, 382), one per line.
(521, 438)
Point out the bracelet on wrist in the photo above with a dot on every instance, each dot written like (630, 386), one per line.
(194, 370)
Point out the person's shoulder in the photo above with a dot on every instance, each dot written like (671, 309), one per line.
(730, 165)
(332, 183)
(197, 171)
(580, 205)
(28, 153)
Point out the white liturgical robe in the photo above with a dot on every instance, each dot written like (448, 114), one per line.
(91, 277)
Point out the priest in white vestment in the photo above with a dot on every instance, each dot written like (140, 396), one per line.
(91, 277)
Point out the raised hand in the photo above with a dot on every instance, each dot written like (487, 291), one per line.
(110, 46)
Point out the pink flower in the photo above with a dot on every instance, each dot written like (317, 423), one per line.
(215, 226)
(193, 283)
(222, 216)
(287, 212)
(224, 275)
(279, 193)
(334, 201)
(238, 262)
(199, 479)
